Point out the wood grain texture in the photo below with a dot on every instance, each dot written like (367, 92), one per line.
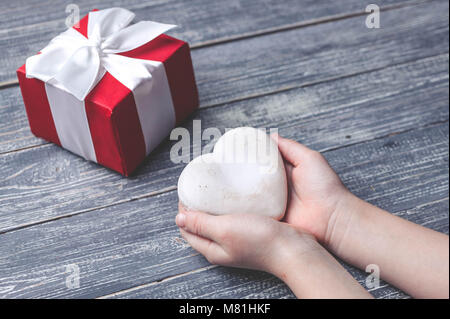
(137, 242)
(48, 182)
(27, 26)
(278, 61)
(216, 282)
(294, 58)
(14, 128)
(201, 20)
(374, 101)
(232, 283)
(222, 282)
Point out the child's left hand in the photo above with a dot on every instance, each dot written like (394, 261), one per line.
(244, 240)
(262, 243)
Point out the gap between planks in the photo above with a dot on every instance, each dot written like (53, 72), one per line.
(174, 187)
(303, 24)
(156, 282)
(273, 92)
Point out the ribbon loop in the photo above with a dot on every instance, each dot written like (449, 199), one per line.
(77, 63)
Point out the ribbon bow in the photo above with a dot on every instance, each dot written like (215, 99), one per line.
(77, 63)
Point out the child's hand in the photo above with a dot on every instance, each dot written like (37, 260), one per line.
(315, 191)
(356, 231)
(244, 240)
(259, 242)
(359, 233)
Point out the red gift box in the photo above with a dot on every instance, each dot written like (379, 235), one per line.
(115, 126)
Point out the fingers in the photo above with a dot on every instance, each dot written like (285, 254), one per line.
(292, 151)
(201, 231)
(211, 250)
(198, 223)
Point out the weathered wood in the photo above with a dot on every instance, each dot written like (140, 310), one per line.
(256, 66)
(134, 243)
(374, 101)
(201, 20)
(275, 62)
(434, 215)
(106, 253)
(14, 128)
(27, 26)
(232, 283)
(217, 282)
(49, 182)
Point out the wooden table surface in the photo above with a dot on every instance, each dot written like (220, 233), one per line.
(373, 101)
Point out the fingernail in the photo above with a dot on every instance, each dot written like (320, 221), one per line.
(180, 219)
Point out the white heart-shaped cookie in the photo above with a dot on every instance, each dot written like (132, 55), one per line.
(244, 174)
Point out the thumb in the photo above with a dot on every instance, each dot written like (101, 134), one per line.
(292, 151)
(199, 223)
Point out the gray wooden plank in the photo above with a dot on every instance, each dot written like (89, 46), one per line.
(430, 180)
(255, 66)
(207, 20)
(14, 128)
(26, 26)
(103, 250)
(137, 242)
(222, 282)
(217, 282)
(278, 61)
(43, 183)
(434, 215)
(231, 283)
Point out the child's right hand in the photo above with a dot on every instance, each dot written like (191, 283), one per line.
(316, 193)
(360, 233)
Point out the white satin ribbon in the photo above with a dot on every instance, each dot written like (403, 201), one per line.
(78, 63)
